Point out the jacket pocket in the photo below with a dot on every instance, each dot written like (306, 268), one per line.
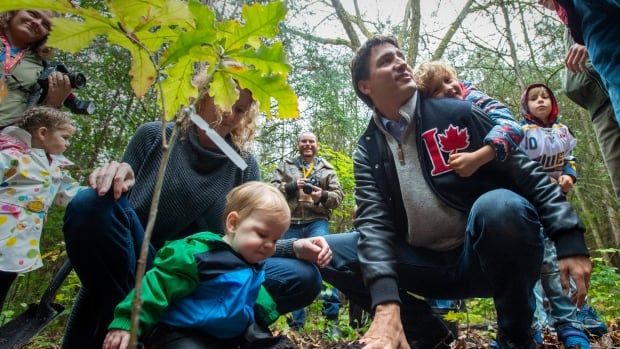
(10, 224)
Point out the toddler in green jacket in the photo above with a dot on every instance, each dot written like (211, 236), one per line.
(206, 289)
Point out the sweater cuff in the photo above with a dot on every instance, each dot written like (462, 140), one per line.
(121, 324)
(284, 248)
(570, 244)
(383, 290)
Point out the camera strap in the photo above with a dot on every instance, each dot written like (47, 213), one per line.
(9, 61)
(307, 171)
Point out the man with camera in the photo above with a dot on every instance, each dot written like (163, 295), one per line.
(312, 189)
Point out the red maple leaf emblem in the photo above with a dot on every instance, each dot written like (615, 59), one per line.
(453, 139)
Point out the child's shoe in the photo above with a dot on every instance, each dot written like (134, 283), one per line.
(592, 324)
(573, 338)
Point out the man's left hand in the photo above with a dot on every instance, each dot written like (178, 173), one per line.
(314, 250)
(579, 269)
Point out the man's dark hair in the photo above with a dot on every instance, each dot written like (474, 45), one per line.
(360, 63)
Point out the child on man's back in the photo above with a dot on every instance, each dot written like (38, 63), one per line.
(33, 176)
(206, 289)
(436, 80)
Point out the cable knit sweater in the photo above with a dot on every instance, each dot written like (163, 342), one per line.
(195, 186)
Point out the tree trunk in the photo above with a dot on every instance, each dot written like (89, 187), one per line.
(513, 47)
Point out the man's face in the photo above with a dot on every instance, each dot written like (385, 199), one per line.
(308, 145)
(390, 78)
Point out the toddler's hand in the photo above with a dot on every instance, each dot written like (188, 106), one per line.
(464, 164)
(566, 183)
(116, 339)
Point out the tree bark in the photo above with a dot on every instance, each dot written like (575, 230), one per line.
(346, 23)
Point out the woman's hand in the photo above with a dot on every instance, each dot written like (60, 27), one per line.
(116, 339)
(115, 175)
(58, 88)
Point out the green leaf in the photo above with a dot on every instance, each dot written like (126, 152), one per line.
(224, 90)
(142, 70)
(72, 36)
(260, 21)
(177, 87)
(185, 43)
(54, 5)
(153, 40)
(204, 18)
(267, 59)
(266, 87)
(140, 15)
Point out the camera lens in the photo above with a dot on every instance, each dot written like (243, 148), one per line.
(78, 80)
(308, 188)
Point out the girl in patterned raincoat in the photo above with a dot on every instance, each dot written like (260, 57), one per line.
(33, 176)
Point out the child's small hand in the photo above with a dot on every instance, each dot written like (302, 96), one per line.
(566, 183)
(464, 164)
(116, 339)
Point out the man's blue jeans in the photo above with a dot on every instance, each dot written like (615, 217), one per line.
(104, 237)
(500, 258)
(331, 297)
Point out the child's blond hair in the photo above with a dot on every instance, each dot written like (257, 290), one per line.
(428, 76)
(39, 116)
(254, 196)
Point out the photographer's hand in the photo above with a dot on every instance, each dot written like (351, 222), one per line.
(58, 89)
(317, 193)
(115, 175)
(300, 183)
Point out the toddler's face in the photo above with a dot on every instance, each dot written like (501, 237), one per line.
(539, 103)
(447, 87)
(54, 141)
(255, 236)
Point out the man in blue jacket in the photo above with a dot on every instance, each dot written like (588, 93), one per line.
(425, 230)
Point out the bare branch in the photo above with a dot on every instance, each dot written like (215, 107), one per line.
(345, 19)
(360, 22)
(511, 44)
(321, 40)
(452, 30)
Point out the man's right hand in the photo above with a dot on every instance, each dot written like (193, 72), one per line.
(576, 58)
(386, 330)
(116, 176)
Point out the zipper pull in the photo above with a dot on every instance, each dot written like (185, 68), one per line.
(401, 155)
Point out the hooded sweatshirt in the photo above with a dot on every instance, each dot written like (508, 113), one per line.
(549, 143)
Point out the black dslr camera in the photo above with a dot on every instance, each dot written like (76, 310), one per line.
(310, 183)
(78, 80)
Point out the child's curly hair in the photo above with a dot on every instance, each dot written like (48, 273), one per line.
(39, 116)
(428, 76)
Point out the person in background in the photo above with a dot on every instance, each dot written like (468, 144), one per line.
(550, 143)
(22, 54)
(311, 187)
(33, 176)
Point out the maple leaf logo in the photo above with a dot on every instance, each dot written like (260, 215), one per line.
(453, 139)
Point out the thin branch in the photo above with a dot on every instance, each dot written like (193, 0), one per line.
(360, 22)
(320, 40)
(346, 23)
(443, 45)
(511, 44)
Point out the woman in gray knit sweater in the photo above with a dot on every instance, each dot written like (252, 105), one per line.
(104, 226)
